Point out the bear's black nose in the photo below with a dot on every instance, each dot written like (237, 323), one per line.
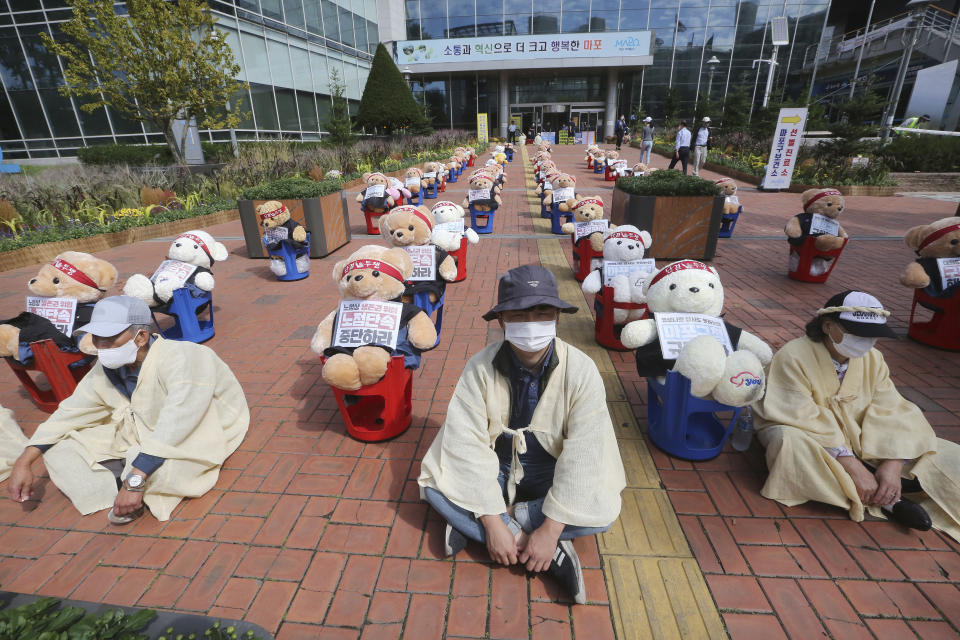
(399, 234)
(694, 289)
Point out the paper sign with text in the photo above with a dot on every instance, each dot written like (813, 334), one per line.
(430, 174)
(614, 268)
(949, 271)
(734, 200)
(361, 322)
(275, 234)
(677, 329)
(424, 262)
(822, 225)
(454, 226)
(583, 229)
(787, 139)
(175, 272)
(374, 191)
(412, 182)
(562, 195)
(60, 311)
(478, 194)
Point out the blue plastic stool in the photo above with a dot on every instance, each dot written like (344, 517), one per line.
(599, 168)
(431, 190)
(422, 300)
(509, 154)
(488, 227)
(728, 222)
(544, 212)
(290, 259)
(184, 307)
(419, 197)
(682, 425)
(555, 220)
(453, 175)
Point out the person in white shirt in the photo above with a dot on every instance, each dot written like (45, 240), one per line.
(681, 148)
(700, 146)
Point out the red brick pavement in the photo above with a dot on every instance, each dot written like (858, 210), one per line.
(313, 534)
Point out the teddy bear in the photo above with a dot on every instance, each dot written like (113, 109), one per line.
(626, 243)
(545, 188)
(397, 190)
(586, 210)
(639, 169)
(599, 159)
(932, 243)
(453, 165)
(278, 229)
(728, 189)
(688, 286)
(446, 212)
(611, 158)
(432, 175)
(374, 196)
(412, 180)
(591, 153)
(73, 275)
(485, 198)
(499, 154)
(828, 204)
(564, 189)
(372, 273)
(496, 170)
(188, 265)
(409, 226)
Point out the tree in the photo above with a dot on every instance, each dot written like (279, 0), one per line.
(162, 62)
(387, 102)
(339, 125)
(736, 110)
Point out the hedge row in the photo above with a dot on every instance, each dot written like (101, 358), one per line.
(667, 183)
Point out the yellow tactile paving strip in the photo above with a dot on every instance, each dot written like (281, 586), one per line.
(656, 587)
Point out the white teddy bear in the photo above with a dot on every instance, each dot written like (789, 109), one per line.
(626, 243)
(444, 212)
(188, 263)
(689, 286)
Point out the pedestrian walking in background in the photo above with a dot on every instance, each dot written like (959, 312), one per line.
(701, 145)
(681, 147)
(620, 130)
(646, 144)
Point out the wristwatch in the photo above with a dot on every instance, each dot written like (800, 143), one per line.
(134, 483)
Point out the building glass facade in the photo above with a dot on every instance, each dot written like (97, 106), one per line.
(687, 34)
(286, 50)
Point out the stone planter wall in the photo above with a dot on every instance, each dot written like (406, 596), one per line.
(682, 226)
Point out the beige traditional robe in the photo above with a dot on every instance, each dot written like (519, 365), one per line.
(12, 442)
(806, 408)
(570, 421)
(187, 407)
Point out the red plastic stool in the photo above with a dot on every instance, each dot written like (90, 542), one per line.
(604, 331)
(460, 257)
(608, 174)
(55, 365)
(372, 227)
(583, 256)
(382, 410)
(807, 253)
(941, 331)
(589, 162)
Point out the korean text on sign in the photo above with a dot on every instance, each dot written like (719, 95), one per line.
(60, 311)
(949, 271)
(361, 322)
(822, 225)
(584, 229)
(454, 226)
(640, 268)
(677, 329)
(424, 259)
(177, 272)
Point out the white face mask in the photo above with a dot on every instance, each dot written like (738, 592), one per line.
(530, 336)
(119, 356)
(853, 346)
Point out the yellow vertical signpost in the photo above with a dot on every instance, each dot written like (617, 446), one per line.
(483, 136)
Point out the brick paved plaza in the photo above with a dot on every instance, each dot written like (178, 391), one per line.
(312, 534)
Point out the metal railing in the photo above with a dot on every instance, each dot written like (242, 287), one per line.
(939, 33)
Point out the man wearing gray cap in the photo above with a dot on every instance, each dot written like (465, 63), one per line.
(166, 413)
(527, 459)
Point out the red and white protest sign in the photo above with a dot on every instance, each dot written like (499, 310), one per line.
(361, 322)
(424, 262)
(60, 311)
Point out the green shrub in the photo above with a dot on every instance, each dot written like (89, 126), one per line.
(920, 152)
(667, 183)
(291, 188)
(139, 155)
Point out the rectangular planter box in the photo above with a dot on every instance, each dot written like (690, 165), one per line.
(325, 218)
(681, 226)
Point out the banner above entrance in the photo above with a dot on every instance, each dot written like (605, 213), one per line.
(627, 48)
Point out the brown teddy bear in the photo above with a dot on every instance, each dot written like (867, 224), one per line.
(374, 197)
(372, 273)
(279, 229)
(546, 187)
(409, 226)
(74, 275)
(412, 180)
(484, 196)
(586, 210)
(827, 204)
(728, 189)
(433, 175)
(640, 168)
(564, 189)
(932, 243)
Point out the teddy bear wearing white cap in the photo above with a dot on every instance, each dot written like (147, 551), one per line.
(188, 264)
(691, 287)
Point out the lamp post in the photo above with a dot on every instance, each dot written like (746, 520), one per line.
(712, 64)
(917, 8)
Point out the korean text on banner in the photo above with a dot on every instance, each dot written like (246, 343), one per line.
(787, 137)
(949, 271)
(59, 311)
(483, 134)
(361, 322)
(424, 259)
(677, 329)
(614, 268)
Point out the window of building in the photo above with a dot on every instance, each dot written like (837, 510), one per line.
(306, 105)
(287, 109)
(264, 110)
(293, 13)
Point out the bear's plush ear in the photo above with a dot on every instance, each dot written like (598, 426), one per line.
(646, 239)
(102, 272)
(365, 176)
(426, 210)
(915, 236)
(401, 260)
(337, 270)
(219, 252)
(714, 271)
(383, 223)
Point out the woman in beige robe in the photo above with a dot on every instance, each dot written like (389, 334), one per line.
(837, 431)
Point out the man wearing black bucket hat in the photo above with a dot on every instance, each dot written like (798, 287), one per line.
(527, 458)
(837, 431)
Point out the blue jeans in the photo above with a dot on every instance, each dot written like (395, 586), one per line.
(527, 516)
(645, 148)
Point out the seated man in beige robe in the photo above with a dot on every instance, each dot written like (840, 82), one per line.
(527, 458)
(164, 414)
(837, 431)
